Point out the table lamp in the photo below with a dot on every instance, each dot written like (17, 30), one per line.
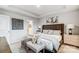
(70, 28)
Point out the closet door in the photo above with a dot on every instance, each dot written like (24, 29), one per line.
(4, 29)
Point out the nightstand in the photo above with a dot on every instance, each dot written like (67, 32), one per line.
(71, 39)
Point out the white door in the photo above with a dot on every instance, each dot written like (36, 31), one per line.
(5, 27)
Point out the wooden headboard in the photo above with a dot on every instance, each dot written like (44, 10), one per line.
(55, 27)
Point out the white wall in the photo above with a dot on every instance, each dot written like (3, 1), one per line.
(5, 27)
(16, 35)
(66, 18)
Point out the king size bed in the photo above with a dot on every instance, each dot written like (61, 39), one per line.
(55, 30)
(52, 37)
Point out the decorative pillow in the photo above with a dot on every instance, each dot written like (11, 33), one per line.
(45, 31)
(54, 32)
(57, 32)
(50, 32)
(44, 36)
(50, 37)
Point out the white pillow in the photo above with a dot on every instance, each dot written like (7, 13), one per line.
(50, 37)
(57, 32)
(55, 37)
(54, 32)
(45, 31)
(50, 32)
(44, 36)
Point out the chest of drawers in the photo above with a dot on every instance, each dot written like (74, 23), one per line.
(71, 39)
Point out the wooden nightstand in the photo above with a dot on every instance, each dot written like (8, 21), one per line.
(71, 39)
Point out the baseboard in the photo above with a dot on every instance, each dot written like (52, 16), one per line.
(71, 45)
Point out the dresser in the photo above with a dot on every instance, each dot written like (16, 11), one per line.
(71, 39)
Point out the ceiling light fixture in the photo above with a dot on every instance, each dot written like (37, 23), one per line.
(37, 6)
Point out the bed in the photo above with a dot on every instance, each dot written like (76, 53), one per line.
(50, 27)
(57, 27)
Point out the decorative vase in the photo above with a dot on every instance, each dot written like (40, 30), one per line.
(34, 39)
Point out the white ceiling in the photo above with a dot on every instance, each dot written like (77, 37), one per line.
(43, 10)
(39, 11)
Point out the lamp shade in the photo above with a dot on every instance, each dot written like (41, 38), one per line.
(70, 26)
(39, 26)
(30, 28)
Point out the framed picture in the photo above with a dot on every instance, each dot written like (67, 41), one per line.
(17, 24)
(54, 19)
(49, 20)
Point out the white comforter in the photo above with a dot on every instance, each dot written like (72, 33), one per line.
(50, 41)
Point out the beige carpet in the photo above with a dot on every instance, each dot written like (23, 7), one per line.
(68, 49)
(4, 47)
(16, 48)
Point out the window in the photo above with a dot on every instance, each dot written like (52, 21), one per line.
(17, 24)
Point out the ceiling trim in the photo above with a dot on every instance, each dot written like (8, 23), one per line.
(14, 9)
(64, 10)
(26, 10)
(18, 11)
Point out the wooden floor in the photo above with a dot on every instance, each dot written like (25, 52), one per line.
(4, 47)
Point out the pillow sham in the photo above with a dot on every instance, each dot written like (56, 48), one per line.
(54, 32)
(45, 31)
(50, 32)
(57, 32)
